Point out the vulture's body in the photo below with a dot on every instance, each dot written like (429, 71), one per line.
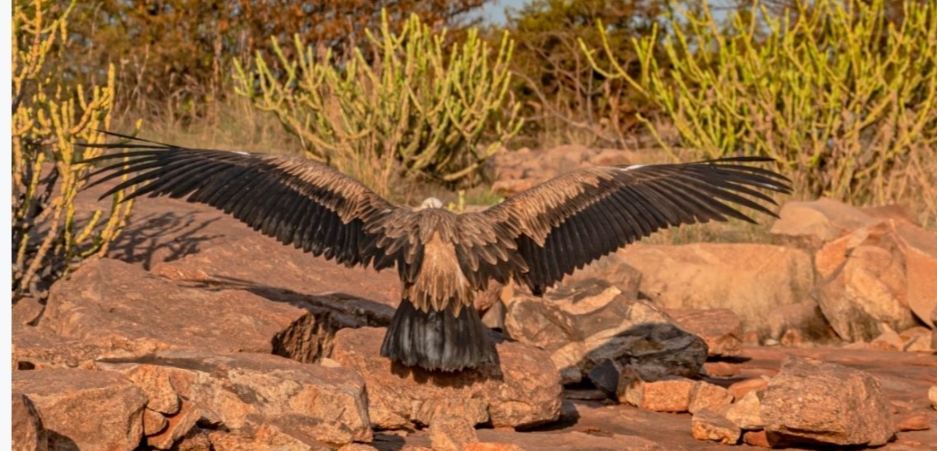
(534, 238)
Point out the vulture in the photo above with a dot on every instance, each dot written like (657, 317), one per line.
(443, 259)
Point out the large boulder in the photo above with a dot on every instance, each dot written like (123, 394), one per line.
(876, 277)
(85, 409)
(812, 402)
(110, 309)
(242, 391)
(587, 323)
(748, 279)
(523, 389)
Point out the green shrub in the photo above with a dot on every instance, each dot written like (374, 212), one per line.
(48, 239)
(844, 98)
(419, 107)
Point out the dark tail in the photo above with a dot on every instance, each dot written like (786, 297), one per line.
(437, 340)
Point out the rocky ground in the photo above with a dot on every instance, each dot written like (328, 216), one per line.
(198, 333)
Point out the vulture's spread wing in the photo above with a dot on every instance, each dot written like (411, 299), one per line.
(577, 217)
(295, 200)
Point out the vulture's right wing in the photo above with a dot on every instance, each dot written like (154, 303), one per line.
(577, 217)
(293, 199)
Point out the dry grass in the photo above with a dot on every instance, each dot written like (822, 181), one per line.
(229, 124)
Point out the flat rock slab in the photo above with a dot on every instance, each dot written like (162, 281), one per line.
(524, 391)
(109, 298)
(243, 391)
(85, 409)
(195, 242)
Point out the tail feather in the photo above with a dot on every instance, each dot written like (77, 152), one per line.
(437, 340)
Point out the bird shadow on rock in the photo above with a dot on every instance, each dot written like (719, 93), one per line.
(168, 235)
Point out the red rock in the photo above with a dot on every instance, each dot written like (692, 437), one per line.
(526, 391)
(708, 396)
(811, 224)
(805, 318)
(919, 249)
(451, 434)
(813, 402)
(488, 446)
(27, 431)
(299, 403)
(700, 276)
(746, 412)
(357, 447)
(709, 425)
(667, 395)
(932, 396)
(917, 339)
(889, 340)
(864, 284)
(589, 323)
(756, 438)
(720, 369)
(720, 328)
(177, 426)
(133, 305)
(153, 422)
(914, 423)
(741, 388)
(93, 410)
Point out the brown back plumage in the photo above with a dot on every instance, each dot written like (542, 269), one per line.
(536, 237)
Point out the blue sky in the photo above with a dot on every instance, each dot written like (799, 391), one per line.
(494, 10)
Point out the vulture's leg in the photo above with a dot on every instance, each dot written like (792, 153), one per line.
(437, 340)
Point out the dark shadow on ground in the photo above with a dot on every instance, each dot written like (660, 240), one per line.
(176, 235)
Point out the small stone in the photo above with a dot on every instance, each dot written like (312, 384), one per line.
(357, 447)
(889, 340)
(492, 446)
(720, 328)
(756, 438)
(668, 395)
(932, 395)
(792, 338)
(741, 388)
(709, 425)
(153, 422)
(451, 434)
(746, 412)
(708, 396)
(914, 423)
(177, 426)
(721, 369)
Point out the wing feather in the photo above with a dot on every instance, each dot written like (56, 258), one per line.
(294, 200)
(578, 217)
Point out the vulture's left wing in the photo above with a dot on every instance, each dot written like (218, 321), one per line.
(295, 200)
(575, 218)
